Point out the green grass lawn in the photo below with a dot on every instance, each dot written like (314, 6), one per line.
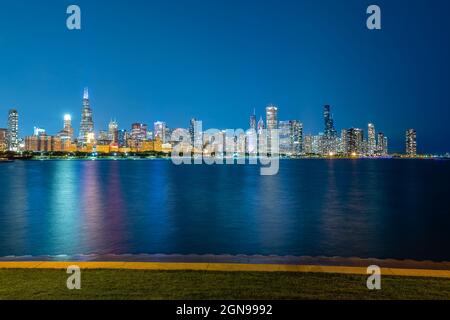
(132, 284)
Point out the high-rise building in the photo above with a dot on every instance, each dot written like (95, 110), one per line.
(253, 120)
(382, 147)
(122, 138)
(113, 131)
(290, 137)
(329, 132)
(297, 137)
(138, 135)
(196, 133)
(308, 144)
(159, 131)
(66, 134)
(13, 130)
(86, 134)
(411, 142)
(3, 139)
(371, 141)
(354, 142)
(329, 143)
(272, 125)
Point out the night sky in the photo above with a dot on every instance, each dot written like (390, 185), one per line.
(216, 60)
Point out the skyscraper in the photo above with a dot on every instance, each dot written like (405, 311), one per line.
(196, 134)
(67, 132)
(113, 131)
(86, 134)
(285, 137)
(253, 120)
(382, 148)
(411, 142)
(354, 141)
(272, 125)
(3, 139)
(13, 130)
(371, 141)
(159, 131)
(297, 137)
(329, 143)
(291, 137)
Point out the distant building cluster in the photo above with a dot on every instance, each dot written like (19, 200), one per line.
(291, 141)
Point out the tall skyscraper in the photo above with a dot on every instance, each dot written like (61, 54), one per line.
(13, 130)
(382, 148)
(291, 137)
(138, 134)
(297, 137)
(67, 132)
(122, 138)
(411, 142)
(329, 143)
(113, 131)
(354, 142)
(272, 124)
(3, 139)
(253, 120)
(86, 134)
(159, 131)
(371, 140)
(196, 134)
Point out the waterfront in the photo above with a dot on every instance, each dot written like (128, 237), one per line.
(382, 208)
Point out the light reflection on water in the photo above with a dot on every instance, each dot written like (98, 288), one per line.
(366, 208)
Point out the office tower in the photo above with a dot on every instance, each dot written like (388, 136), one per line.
(382, 148)
(371, 142)
(343, 144)
(297, 137)
(329, 132)
(196, 134)
(66, 134)
(308, 144)
(272, 125)
(13, 130)
(139, 131)
(159, 131)
(103, 138)
(122, 138)
(261, 126)
(86, 134)
(3, 139)
(285, 137)
(113, 131)
(290, 137)
(317, 144)
(329, 138)
(253, 120)
(411, 142)
(354, 142)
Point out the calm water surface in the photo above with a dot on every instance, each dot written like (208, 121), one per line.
(365, 208)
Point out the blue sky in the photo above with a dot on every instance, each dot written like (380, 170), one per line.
(216, 60)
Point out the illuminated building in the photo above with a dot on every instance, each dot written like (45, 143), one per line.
(382, 147)
(272, 124)
(329, 138)
(411, 142)
(13, 130)
(138, 135)
(159, 130)
(253, 121)
(86, 134)
(290, 137)
(43, 143)
(67, 132)
(371, 142)
(3, 139)
(196, 134)
(113, 132)
(122, 137)
(308, 144)
(354, 142)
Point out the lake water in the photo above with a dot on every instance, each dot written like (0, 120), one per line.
(365, 208)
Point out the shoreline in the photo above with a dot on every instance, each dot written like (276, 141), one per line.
(267, 262)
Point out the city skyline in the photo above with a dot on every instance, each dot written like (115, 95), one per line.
(292, 140)
(223, 59)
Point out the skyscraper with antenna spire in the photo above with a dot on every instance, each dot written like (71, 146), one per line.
(86, 134)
